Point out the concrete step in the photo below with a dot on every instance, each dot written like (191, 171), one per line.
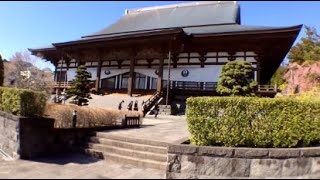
(131, 140)
(130, 160)
(128, 152)
(93, 153)
(129, 145)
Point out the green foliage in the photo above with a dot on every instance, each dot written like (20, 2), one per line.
(1, 71)
(311, 95)
(307, 49)
(81, 85)
(236, 79)
(253, 122)
(22, 102)
(278, 76)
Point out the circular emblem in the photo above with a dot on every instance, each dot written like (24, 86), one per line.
(107, 72)
(156, 72)
(185, 73)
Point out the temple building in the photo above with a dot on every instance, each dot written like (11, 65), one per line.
(186, 44)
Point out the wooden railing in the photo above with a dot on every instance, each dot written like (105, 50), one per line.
(147, 105)
(62, 84)
(267, 88)
(199, 86)
(131, 121)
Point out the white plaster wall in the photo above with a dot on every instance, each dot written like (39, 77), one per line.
(196, 74)
(210, 73)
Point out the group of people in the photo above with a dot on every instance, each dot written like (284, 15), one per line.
(131, 106)
(134, 107)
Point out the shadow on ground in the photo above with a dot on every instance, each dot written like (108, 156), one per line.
(62, 159)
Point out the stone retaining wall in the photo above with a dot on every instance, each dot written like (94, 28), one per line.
(26, 138)
(9, 134)
(187, 161)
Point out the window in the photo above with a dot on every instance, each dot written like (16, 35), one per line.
(124, 82)
(140, 81)
(61, 76)
(153, 83)
(108, 83)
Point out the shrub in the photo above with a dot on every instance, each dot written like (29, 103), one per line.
(236, 79)
(278, 77)
(22, 102)
(253, 122)
(81, 85)
(86, 116)
(1, 71)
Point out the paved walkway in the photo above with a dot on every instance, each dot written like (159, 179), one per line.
(168, 129)
(70, 166)
(74, 166)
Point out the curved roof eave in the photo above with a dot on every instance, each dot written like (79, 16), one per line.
(239, 30)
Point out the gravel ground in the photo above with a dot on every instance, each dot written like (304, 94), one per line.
(112, 100)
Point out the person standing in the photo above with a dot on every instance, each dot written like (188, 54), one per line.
(156, 110)
(130, 106)
(135, 106)
(120, 105)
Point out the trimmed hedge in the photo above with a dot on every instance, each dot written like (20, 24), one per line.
(22, 102)
(253, 122)
(87, 116)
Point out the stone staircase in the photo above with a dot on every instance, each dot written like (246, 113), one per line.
(139, 152)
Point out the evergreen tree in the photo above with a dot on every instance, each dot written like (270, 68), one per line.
(307, 49)
(81, 86)
(236, 79)
(278, 76)
(1, 71)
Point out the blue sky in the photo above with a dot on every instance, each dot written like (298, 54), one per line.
(33, 24)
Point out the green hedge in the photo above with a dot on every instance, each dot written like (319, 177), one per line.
(22, 102)
(253, 122)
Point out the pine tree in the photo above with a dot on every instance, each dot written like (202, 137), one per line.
(1, 71)
(80, 86)
(307, 49)
(236, 79)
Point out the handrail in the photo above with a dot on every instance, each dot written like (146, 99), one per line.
(63, 84)
(267, 88)
(150, 102)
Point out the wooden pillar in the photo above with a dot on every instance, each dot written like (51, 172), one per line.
(55, 73)
(98, 77)
(131, 77)
(258, 71)
(160, 74)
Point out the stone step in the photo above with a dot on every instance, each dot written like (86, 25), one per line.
(128, 152)
(129, 145)
(125, 159)
(131, 140)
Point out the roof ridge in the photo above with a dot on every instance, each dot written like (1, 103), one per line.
(198, 3)
(192, 26)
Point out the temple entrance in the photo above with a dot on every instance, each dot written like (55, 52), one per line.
(141, 83)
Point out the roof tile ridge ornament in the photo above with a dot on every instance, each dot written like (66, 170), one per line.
(179, 5)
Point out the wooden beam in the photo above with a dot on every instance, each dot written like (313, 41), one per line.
(258, 71)
(160, 74)
(131, 75)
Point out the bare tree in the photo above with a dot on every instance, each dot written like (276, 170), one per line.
(21, 72)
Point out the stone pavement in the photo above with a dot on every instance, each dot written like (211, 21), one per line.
(165, 129)
(74, 166)
(168, 129)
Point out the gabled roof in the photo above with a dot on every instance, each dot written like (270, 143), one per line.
(205, 18)
(175, 16)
